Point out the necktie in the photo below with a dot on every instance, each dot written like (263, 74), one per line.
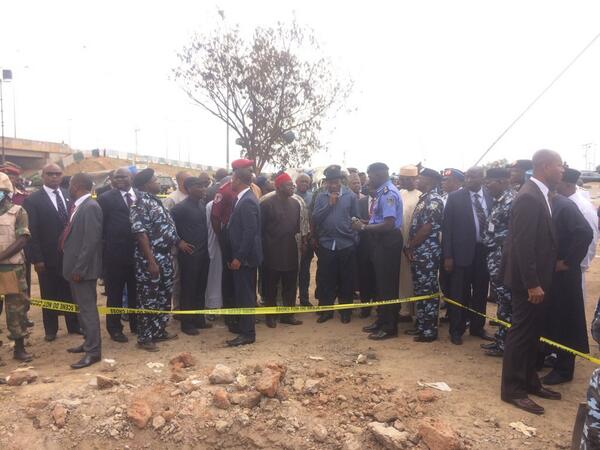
(481, 217)
(60, 206)
(128, 199)
(67, 229)
(372, 207)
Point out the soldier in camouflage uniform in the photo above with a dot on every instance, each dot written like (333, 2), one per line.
(14, 232)
(156, 236)
(424, 251)
(498, 183)
(590, 439)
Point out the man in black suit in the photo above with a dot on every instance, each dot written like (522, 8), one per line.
(465, 218)
(48, 215)
(529, 262)
(244, 252)
(119, 244)
(366, 270)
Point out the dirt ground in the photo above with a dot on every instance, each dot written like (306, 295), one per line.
(333, 415)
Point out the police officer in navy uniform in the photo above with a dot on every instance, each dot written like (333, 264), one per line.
(385, 234)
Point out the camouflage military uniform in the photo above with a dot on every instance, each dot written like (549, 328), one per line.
(149, 216)
(494, 237)
(591, 429)
(16, 304)
(426, 260)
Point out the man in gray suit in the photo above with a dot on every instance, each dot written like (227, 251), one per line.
(81, 243)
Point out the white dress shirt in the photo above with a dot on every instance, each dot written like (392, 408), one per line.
(544, 190)
(52, 196)
(485, 210)
(240, 195)
(589, 212)
(78, 202)
(131, 194)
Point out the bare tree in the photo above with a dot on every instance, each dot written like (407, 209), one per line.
(270, 89)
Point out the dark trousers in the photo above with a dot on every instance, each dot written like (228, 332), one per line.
(116, 278)
(565, 364)
(386, 252)
(84, 294)
(304, 274)
(244, 287)
(271, 279)
(54, 287)
(366, 273)
(193, 273)
(469, 286)
(519, 375)
(335, 277)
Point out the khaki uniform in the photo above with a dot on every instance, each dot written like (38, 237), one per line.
(14, 224)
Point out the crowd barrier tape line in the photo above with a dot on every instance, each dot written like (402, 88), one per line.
(70, 307)
(542, 339)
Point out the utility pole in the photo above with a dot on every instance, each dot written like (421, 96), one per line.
(5, 76)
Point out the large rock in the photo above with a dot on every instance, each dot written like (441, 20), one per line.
(21, 376)
(139, 412)
(59, 414)
(312, 386)
(439, 435)
(105, 382)
(276, 366)
(389, 437)
(221, 374)
(385, 412)
(220, 399)
(182, 361)
(268, 383)
(248, 399)
(320, 433)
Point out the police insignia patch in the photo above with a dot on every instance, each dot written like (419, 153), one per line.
(218, 197)
(390, 201)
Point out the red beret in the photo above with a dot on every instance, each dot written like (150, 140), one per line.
(9, 170)
(242, 164)
(283, 178)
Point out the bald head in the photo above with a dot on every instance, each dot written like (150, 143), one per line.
(548, 167)
(474, 179)
(52, 176)
(122, 179)
(80, 184)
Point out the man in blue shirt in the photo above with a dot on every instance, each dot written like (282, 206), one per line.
(332, 217)
(385, 234)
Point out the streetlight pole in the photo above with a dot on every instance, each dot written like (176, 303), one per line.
(6, 75)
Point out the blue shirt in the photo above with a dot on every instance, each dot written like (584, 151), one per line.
(307, 197)
(334, 223)
(389, 204)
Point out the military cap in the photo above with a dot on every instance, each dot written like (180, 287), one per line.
(377, 167)
(425, 172)
(455, 173)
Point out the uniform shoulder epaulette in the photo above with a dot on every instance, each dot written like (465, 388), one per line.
(386, 189)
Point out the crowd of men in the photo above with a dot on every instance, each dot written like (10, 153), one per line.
(520, 236)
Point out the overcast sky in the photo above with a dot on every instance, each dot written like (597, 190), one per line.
(435, 81)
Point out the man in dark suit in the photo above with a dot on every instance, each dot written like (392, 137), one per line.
(119, 244)
(529, 262)
(244, 252)
(47, 210)
(465, 218)
(366, 270)
(81, 243)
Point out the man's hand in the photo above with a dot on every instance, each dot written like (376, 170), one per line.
(40, 267)
(561, 266)
(357, 225)
(449, 264)
(185, 247)
(333, 198)
(154, 270)
(75, 277)
(408, 252)
(235, 264)
(536, 295)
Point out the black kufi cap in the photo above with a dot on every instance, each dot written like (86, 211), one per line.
(142, 177)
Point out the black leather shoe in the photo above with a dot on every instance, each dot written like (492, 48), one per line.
(456, 340)
(381, 335)
(553, 378)
(86, 361)
(489, 346)
(547, 394)
(271, 321)
(190, 331)
(371, 328)
(494, 352)
(484, 335)
(78, 349)
(345, 319)
(148, 346)
(424, 338)
(526, 404)
(240, 340)
(324, 317)
(119, 337)
(166, 336)
(50, 337)
(412, 332)
(290, 321)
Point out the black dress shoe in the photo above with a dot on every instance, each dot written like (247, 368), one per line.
(271, 321)
(345, 319)
(240, 340)
(412, 332)
(424, 338)
(190, 331)
(381, 335)
(484, 335)
(324, 317)
(526, 404)
(456, 340)
(166, 336)
(290, 321)
(86, 361)
(78, 349)
(371, 328)
(553, 378)
(547, 394)
(148, 346)
(119, 337)
(50, 337)
(497, 352)
(489, 346)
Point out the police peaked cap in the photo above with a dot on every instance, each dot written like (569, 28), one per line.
(378, 167)
(425, 172)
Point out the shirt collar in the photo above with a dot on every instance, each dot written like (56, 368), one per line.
(81, 199)
(383, 186)
(541, 185)
(241, 194)
(480, 193)
(131, 193)
(50, 191)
